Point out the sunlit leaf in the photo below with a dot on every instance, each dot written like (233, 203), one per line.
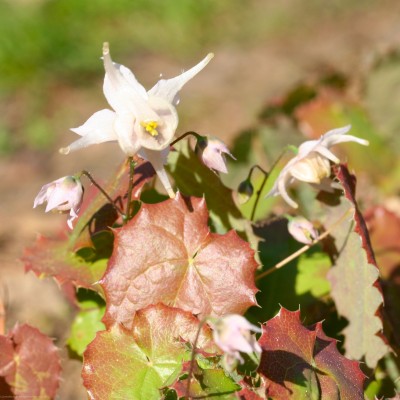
(303, 363)
(167, 254)
(29, 363)
(137, 363)
(354, 277)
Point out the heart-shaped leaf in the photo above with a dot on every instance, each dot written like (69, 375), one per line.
(299, 362)
(167, 254)
(29, 364)
(144, 359)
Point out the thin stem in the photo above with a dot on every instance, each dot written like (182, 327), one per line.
(266, 176)
(304, 248)
(192, 360)
(196, 135)
(3, 308)
(90, 177)
(130, 188)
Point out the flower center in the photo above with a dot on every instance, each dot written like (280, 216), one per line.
(150, 127)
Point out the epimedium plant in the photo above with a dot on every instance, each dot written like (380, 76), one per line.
(182, 296)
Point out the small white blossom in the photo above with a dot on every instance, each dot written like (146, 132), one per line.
(64, 194)
(212, 153)
(143, 122)
(312, 163)
(302, 230)
(232, 334)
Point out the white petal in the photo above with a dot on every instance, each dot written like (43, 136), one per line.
(167, 119)
(127, 138)
(282, 190)
(157, 160)
(122, 91)
(168, 88)
(336, 132)
(327, 153)
(99, 128)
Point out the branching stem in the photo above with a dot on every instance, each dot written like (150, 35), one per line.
(90, 177)
(306, 247)
(192, 360)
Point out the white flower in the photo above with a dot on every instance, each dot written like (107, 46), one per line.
(142, 122)
(232, 334)
(212, 153)
(312, 163)
(64, 194)
(302, 230)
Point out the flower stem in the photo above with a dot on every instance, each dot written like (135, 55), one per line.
(193, 358)
(130, 188)
(306, 247)
(192, 133)
(3, 307)
(259, 191)
(90, 177)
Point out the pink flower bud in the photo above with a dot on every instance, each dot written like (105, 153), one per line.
(212, 153)
(232, 334)
(64, 194)
(302, 230)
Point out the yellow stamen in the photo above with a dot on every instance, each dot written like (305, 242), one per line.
(150, 127)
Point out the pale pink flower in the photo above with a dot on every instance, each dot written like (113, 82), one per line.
(212, 153)
(64, 194)
(232, 334)
(143, 122)
(302, 230)
(312, 163)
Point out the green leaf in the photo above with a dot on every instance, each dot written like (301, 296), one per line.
(354, 277)
(193, 178)
(86, 323)
(311, 276)
(142, 360)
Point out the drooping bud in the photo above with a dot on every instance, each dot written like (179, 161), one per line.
(302, 230)
(212, 153)
(232, 334)
(245, 191)
(63, 195)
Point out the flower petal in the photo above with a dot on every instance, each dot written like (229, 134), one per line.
(157, 160)
(97, 129)
(168, 88)
(125, 131)
(122, 91)
(167, 121)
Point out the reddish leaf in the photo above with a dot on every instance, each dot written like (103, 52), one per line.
(57, 258)
(384, 227)
(167, 254)
(300, 362)
(29, 363)
(355, 288)
(144, 359)
(51, 257)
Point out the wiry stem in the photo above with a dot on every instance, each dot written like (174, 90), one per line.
(105, 194)
(192, 360)
(192, 133)
(266, 176)
(304, 248)
(130, 188)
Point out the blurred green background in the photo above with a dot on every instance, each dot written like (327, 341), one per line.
(50, 50)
